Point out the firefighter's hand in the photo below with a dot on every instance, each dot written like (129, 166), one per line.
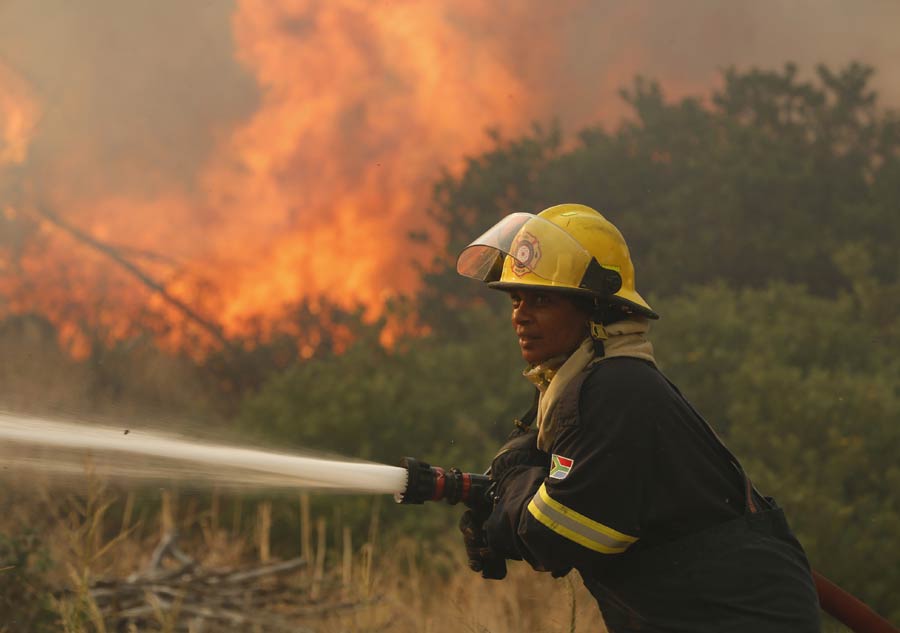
(521, 450)
(481, 557)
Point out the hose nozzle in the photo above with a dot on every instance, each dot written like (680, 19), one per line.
(431, 483)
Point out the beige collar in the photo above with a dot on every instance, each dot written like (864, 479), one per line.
(628, 338)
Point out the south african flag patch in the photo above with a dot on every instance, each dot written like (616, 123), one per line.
(560, 466)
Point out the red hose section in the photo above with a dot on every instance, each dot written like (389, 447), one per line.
(466, 486)
(849, 609)
(439, 481)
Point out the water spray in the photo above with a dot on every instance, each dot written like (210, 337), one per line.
(58, 447)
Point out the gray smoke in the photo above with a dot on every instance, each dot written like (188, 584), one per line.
(132, 93)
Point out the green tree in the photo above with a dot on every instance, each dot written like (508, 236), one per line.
(767, 179)
(434, 397)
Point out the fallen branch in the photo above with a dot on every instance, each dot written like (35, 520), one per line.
(270, 597)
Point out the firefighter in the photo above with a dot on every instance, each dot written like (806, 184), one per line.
(612, 472)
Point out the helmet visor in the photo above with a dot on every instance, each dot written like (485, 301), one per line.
(534, 245)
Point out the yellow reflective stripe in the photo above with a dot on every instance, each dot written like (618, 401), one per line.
(577, 527)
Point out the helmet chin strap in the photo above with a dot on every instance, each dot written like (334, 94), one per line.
(598, 332)
(598, 335)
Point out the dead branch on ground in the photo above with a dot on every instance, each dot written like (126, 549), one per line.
(272, 597)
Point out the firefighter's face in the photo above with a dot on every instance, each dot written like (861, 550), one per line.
(548, 324)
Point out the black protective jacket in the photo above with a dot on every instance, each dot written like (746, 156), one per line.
(639, 495)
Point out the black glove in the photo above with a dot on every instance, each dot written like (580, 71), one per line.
(481, 557)
(520, 450)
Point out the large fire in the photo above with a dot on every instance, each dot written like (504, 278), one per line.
(312, 197)
(310, 191)
(333, 170)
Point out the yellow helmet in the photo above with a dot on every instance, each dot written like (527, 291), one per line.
(568, 247)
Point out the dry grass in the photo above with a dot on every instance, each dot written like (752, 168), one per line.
(426, 601)
(401, 586)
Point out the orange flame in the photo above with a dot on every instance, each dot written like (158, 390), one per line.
(315, 194)
(308, 192)
(338, 160)
(19, 115)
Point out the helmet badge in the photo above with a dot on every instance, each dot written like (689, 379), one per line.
(526, 253)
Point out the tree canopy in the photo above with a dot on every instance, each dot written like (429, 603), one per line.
(770, 177)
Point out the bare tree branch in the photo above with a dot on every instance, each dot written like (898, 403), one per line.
(116, 255)
(149, 255)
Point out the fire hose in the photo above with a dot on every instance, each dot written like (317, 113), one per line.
(431, 483)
